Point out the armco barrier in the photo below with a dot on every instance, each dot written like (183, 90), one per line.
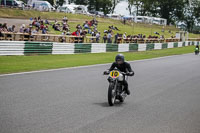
(98, 48)
(12, 48)
(26, 48)
(60, 48)
(38, 48)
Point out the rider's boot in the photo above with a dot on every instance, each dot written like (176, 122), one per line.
(128, 91)
(126, 88)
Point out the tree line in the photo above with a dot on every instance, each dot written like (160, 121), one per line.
(175, 11)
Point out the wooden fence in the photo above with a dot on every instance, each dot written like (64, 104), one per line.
(79, 39)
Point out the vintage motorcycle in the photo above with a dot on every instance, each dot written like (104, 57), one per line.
(116, 89)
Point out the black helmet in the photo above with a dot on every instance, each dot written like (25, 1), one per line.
(119, 57)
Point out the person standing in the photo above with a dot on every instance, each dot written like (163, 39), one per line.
(98, 37)
(109, 36)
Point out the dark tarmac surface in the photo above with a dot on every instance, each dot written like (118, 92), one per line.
(165, 98)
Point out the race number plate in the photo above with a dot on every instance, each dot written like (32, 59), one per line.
(114, 74)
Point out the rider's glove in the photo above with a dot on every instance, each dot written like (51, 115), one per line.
(106, 72)
(130, 73)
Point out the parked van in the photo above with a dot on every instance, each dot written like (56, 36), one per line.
(159, 21)
(42, 6)
(80, 9)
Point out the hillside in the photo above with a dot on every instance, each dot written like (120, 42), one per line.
(74, 19)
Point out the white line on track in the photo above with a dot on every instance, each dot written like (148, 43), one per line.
(50, 70)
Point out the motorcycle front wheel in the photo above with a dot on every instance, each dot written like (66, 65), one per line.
(111, 94)
(196, 52)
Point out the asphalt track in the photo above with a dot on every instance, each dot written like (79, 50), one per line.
(165, 98)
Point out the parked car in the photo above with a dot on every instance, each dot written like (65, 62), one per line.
(9, 3)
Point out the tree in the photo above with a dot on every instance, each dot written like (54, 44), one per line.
(51, 2)
(60, 2)
(131, 4)
(81, 2)
(91, 5)
(107, 6)
(113, 4)
(171, 10)
(191, 15)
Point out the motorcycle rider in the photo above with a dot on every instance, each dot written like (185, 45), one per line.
(197, 49)
(123, 66)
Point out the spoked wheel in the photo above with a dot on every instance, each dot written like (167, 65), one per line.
(111, 95)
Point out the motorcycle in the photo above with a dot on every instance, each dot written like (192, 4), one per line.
(116, 88)
(196, 51)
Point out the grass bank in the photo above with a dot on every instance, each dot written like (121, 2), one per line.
(12, 64)
(104, 23)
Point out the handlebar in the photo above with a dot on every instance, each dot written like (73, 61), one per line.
(123, 73)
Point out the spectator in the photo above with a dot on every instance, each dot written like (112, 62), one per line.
(46, 22)
(37, 24)
(44, 30)
(78, 27)
(42, 26)
(63, 39)
(124, 36)
(116, 37)
(98, 37)
(76, 33)
(157, 33)
(85, 25)
(109, 36)
(4, 27)
(162, 37)
(93, 33)
(34, 31)
(95, 29)
(1, 30)
(104, 38)
(22, 28)
(39, 18)
(124, 21)
(11, 28)
(65, 19)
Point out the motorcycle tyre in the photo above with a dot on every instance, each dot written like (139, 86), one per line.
(110, 95)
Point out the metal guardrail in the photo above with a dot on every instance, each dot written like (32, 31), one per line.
(32, 48)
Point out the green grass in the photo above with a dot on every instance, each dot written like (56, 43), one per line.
(12, 64)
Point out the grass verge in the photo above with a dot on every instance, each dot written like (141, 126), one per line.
(13, 64)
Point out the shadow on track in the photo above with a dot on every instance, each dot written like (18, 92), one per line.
(105, 104)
